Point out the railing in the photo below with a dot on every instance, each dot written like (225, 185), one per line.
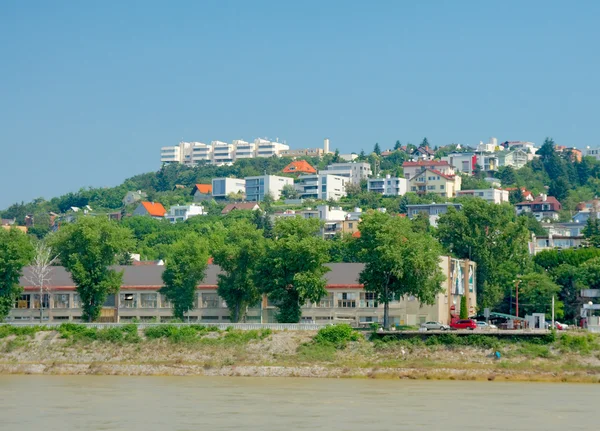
(221, 326)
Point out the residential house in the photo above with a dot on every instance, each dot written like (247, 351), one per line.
(152, 209)
(8, 221)
(321, 186)
(223, 187)
(572, 153)
(248, 206)
(466, 163)
(432, 210)
(583, 215)
(133, 197)
(388, 186)
(516, 158)
(543, 207)
(355, 171)
(527, 195)
(528, 147)
(260, 186)
(423, 153)
(592, 152)
(299, 167)
(139, 298)
(435, 182)
(202, 192)
(349, 157)
(413, 168)
(559, 236)
(493, 196)
(183, 212)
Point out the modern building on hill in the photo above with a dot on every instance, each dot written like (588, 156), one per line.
(493, 196)
(179, 213)
(345, 301)
(299, 167)
(223, 187)
(321, 186)
(543, 207)
(260, 186)
(516, 158)
(432, 210)
(152, 209)
(413, 168)
(222, 153)
(467, 163)
(435, 182)
(388, 186)
(355, 171)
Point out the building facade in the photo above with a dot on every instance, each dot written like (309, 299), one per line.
(543, 208)
(433, 210)
(356, 171)
(435, 182)
(388, 186)
(346, 300)
(178, 213)
(413, 168)
(321, 186)
(493, 196)
(222, 187)
(258, 187)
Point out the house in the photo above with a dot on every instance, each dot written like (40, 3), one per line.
(260, 186)
(202, 192)
(133, 197)
(388, 186)
(543, 207)
(183, 212)
(152, 209)
(527, 195)
(413, 168)
(435, 182)
(345, 299)
(583, 216)
(424, 153)
(321, 186)
(248, 206)
(493, 196)
(299, 167)
(7, 221)
(223, 187)
(516, 158)
(466, 163)
(432, 210)
(527, 147)
(355, 171)
(571, 153)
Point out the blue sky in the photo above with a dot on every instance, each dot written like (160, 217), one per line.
(90, 91)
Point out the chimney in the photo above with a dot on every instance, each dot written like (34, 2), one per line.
(326, 145)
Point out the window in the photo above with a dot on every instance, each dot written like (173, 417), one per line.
(127, 300)
(368, 300)
(430, 187)
(61, 300)
(148, 300)
(422, 319)
(210, 300)
(45, 301)
(325, 302)
(347, 300)
(76, 300)
(414, 189)
(164, 302)
(350, 225)
(368, 319)
(23, 301)
(442, 187)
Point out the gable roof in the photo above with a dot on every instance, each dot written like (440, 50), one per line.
(299, 166)
(425, 150)
(240, 206)
(426, 163)
(448, 177)
(551, 200)
(202, 188)
(154, 209)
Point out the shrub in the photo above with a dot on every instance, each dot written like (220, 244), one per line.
(337, 335)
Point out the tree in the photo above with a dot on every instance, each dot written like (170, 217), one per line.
(184, 270)
(591, 231)
(289, 192)
(398, 261)
(533, 225)
(506, 175)
(464, 311)
(292, 268)
(420, 223)
(336, 157)
(87, 249)
(425, 142)
(241, 250)
(516, 196)
(397, 146)
(492, 236)
(559, 188)
(362, 155)
(535, 295)
(376, 149)
(16, 251)
(40, 272)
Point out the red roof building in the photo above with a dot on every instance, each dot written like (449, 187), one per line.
(300, 167)
(543, 207)
(152, 209)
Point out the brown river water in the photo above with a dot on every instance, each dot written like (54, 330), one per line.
(62, 403)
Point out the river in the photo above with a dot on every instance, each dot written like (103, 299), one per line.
(50, 403)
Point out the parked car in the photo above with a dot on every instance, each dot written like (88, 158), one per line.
(484, 325)
(464, 324)
(435, 326)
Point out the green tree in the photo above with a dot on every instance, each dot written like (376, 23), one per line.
(494, 238)
(376, 149)
(535, 295)
(237, 256)
(87, 249)
(506, 175)
(185, 269)
(397, 146)
(591, 231)
(398, 261)
(292, 268)
(16, 251)
(464, 311)
(559, 188)
(289, 192)
(421, 224)
(568, 278)
(425, 142)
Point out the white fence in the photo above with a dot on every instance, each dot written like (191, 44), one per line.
(221, 326)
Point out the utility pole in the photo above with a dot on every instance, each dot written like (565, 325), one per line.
(517, 299)
(552, 311)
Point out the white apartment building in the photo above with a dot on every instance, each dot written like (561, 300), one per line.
(173, 154)
(243, 149)
(493, 196)
(389, 186)
(321, 186)
(354, 171)
(516, 158)
(222, 187)
(528, 147)
(593, 152)
(223, 153)
(183, 212)
(265, 148)
(258, 187)
(466, 162)
(201, 152)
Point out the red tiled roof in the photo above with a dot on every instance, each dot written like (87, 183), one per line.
(239, 206)
(426, 163)
(155, 209)
(555, 204)
(301, 166)
(356, 234)
(203, 188)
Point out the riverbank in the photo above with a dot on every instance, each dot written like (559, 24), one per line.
(206, 352)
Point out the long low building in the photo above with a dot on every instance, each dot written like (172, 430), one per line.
(346, 300)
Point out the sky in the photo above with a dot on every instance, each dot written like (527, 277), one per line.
(90, 91)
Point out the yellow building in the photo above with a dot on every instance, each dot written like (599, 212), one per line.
(435, 182)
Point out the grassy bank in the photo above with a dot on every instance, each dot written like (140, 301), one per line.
(335, 351)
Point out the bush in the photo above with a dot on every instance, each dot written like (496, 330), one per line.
(578, 343)
(6, 330)
(337, 335)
